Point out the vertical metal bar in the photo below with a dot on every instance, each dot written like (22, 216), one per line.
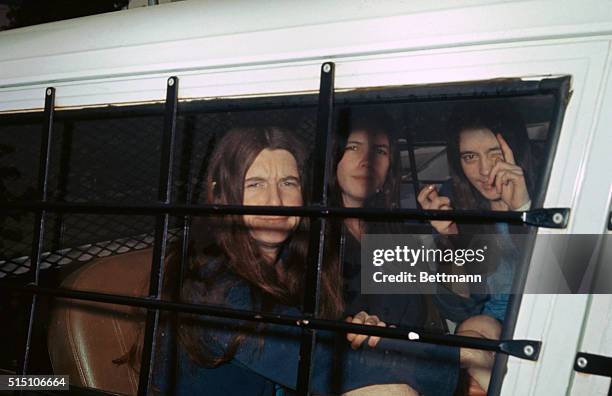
(161, 234)
(322, 155)
(39, 225)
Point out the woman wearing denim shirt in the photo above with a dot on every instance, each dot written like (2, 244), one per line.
(490, 163)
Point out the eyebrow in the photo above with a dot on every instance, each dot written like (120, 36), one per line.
(254, 178)
(259, 178)
(360, 142)
(290, 178)
(474, 152)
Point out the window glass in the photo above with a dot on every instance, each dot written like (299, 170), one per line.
(385, 152)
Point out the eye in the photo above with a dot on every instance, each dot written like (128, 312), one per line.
(382, 151)
(351, 147)
(253, 185)
(290, 183)
(497, 156)
(468, 157)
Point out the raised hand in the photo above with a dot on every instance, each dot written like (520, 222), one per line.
(430, 200)
(508, 178)
(363, 318)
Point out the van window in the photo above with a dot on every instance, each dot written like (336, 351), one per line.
(387, 145)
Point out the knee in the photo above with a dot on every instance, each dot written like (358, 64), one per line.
(383, 389)
(480, 326)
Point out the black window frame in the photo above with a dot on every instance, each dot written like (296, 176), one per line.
(318, 211)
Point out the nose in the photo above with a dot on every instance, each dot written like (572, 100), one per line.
(485, 166)
(364, 158)
(274, 196)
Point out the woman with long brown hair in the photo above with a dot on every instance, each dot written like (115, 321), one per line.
(491, 168)
(257, 262)
(366, 163)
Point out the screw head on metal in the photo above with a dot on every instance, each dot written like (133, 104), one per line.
(49, 91)
(557, 218)
(326, 68)
(582, 362)
(528, 350)
(170, 82)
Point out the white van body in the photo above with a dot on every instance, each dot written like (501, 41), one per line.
(222, 49)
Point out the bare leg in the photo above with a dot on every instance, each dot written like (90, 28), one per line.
(477, 362)
(386, 389)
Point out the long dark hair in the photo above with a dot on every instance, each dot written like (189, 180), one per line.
(373, 121)
(228, 239)
(221, 252)
(499, 117)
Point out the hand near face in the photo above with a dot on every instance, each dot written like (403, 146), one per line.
(430, 200)
(509, 178)
(363, 318)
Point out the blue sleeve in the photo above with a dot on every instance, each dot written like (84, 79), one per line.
(336, 367)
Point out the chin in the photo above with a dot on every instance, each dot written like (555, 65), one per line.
(270, 237)
(361, 194)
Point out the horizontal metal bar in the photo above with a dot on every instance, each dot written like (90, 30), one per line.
(590, 363)
(524, 349)
(548, 217)
(406, 94)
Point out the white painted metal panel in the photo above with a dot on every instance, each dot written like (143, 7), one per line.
(596, 334)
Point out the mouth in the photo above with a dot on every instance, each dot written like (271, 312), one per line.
(487, 187)
(272, 219)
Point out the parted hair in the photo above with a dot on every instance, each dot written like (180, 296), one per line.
(228, 239)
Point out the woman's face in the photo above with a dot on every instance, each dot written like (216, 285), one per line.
(363, 167)
(272, 179)
(479, 151)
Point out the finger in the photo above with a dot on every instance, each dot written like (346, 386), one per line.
(433, 192)
(350, 336)
(500, 166)
(358, 341)
(499, 178)
(357, 319)
(371, 320)
(508, 154)
(439, 202)
(373, 341)
(510, 177)
(424, 195)
(360, 317)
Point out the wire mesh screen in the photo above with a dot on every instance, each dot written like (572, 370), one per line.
(111, 160)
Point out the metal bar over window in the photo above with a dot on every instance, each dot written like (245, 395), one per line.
(524, 349)
(39, 225)
(321, 155)
(539, 217)
(161, 234)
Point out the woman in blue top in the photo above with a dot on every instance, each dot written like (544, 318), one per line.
(257, 262)
(490, 165)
